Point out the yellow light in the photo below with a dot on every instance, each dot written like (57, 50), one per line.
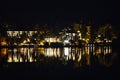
(79, 58)
(42, 43)
(24, 41)
(3, 51)
(9, 59)
(3, 43)
(78, 31)
(83, 39)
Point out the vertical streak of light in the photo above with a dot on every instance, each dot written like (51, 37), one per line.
(66, 50)
(94, 50)
(79, 58)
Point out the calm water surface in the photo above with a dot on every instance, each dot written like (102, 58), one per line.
(88, 55)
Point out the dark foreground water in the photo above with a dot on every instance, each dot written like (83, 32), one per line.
(88, 62)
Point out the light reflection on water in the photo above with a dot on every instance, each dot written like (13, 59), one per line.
(81, 56)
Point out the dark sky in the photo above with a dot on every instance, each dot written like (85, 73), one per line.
(55, 12)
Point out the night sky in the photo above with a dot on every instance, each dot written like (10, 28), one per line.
(59, 13)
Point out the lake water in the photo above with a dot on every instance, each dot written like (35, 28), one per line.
(88, 55)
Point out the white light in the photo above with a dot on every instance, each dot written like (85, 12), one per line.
(66, 41)
(66, 50)
(21, 59)
(28, 39)
(31, 60)
(73, 34)
(74, 57)
(99, 35)
(15, 58)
